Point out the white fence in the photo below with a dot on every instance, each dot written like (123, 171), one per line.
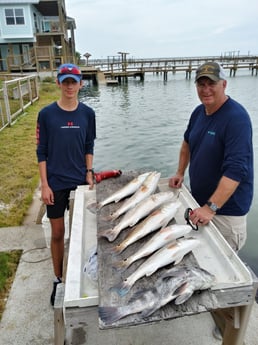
(15, 96)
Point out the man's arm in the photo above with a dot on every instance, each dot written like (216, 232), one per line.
(184, 157)
(223, 192)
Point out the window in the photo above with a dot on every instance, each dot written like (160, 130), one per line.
(14, 16)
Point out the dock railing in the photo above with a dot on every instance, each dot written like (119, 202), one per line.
(117, 67)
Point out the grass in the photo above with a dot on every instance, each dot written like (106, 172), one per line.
(18, 164)
(8, 264)
(19, 178)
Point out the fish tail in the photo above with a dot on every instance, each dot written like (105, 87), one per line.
(110, 315)
(109, 234)
(117, 249)
(107, 218)
(122, 289)
(122, 265)
(94, 207)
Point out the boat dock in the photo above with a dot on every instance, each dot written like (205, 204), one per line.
(119, 69)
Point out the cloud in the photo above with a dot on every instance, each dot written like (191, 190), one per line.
(155, 28)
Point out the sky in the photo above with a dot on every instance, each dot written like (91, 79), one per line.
(164, 28)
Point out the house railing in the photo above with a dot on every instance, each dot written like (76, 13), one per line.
(15, 96)
(40, 58)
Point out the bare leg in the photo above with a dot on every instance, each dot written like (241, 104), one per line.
(57, 245)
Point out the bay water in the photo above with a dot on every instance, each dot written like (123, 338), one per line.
(140, 125)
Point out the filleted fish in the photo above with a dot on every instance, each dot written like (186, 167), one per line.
(166, 289)
(156, 220)
(171, 253)
(158, 240)
(127, 190)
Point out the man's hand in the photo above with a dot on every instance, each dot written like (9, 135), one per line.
(176, 181)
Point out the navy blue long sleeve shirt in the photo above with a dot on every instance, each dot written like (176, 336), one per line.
(221, 145)
(63, 140)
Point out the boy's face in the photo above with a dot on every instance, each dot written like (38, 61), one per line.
(69, 87)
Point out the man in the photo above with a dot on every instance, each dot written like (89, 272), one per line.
(218, 148)
(66, 131)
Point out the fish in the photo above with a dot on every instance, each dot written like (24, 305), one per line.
(127, 190)
(138, 212)
(200, 280)
(166, 289)
(131, 218)
(157, 219)
(171, 253)
(158, 240)
(147, 188)
(179, 284)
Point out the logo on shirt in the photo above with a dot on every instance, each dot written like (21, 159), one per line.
(211, 133)
(70, 124)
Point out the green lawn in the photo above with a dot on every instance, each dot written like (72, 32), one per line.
(19, 177)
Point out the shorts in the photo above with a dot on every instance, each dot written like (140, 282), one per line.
(61, 203)
(233, 229)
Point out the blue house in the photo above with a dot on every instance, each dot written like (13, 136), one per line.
(35, 35)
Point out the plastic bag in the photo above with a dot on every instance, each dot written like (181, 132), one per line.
(91, 266)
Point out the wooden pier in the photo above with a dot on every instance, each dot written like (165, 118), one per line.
(121, 69)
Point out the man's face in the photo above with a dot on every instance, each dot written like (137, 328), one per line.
(211, 93)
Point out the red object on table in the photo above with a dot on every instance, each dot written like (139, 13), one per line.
(102, 175)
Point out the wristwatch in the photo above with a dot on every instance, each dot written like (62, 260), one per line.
(212, 206)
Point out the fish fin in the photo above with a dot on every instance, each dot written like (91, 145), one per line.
(110, 315)
(183, 293)
(179, 259)
(121, 265)
(94, 207)
(173, 272)
(183, 297)
(149, 311)
(122, 288)
(108, 233)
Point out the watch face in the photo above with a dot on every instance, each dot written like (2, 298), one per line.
(212, 206)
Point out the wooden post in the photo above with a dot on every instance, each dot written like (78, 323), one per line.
(59, 326)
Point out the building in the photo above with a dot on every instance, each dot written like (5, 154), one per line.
(35, 35)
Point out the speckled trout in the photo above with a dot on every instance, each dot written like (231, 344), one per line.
(171, 253)
(156, 220)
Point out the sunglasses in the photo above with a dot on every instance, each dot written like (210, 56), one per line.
(69, 70)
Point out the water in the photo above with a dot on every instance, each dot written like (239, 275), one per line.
(141, 125)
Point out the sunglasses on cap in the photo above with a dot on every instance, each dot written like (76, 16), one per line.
(68, 69)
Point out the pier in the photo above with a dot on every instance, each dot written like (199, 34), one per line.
(118, 69)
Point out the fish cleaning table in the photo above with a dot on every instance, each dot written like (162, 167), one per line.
(230, 299)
